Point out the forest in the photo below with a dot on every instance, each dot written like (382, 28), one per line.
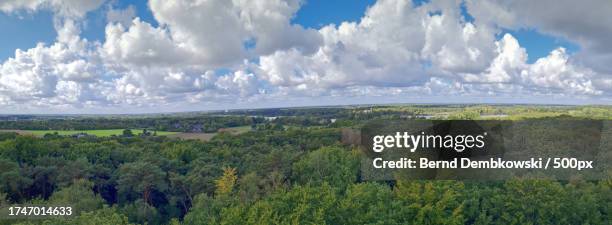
(293, 169)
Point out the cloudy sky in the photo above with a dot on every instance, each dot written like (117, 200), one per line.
(109, 56)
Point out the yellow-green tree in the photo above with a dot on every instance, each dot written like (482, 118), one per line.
(225, 184)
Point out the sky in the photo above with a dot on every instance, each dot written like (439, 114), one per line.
(114, 56)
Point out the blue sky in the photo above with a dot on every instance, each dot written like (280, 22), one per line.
(24, 32)
(317, 13)
(219, 54)
(539, 45)
(27, 29)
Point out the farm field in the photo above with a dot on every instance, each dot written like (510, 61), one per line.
(99, 133)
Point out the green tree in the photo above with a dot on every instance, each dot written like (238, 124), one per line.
(334, 165)
(305, 205)
(367, 203)
(12, 181)
(142, 212)
(534, 202)
(104, 216)
(128, 133)
(142, 178)
(201, 177)
(205, 210)
(249, 188)
(79, 195)
(430, 202)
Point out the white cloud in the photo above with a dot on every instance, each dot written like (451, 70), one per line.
(211, 30)
(195, 37)
(234, 51)
(394, 45)
(121, 16)
(556, 72)
(142, 45)
(63, 8)
(27, 75)
(218, 32)
(506, 65)
(268, 24)
(56, 74)
(586, 23)
(399, 45)
(240, 82)
(34, 74)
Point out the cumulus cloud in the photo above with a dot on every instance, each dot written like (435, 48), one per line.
(240, 50)
(151, 86)
(586, 23)
(222, 33)
(121, 16)
(395, 44)
(68, 72)
(62, 8)
(177, 59)
(141, 44)
(510, 59)
(35, 74)
(557, 73)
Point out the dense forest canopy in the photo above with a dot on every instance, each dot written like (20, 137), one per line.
(292, 169)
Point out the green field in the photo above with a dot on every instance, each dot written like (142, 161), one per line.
(99, 133)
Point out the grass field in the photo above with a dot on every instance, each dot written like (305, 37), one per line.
(99, 133)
